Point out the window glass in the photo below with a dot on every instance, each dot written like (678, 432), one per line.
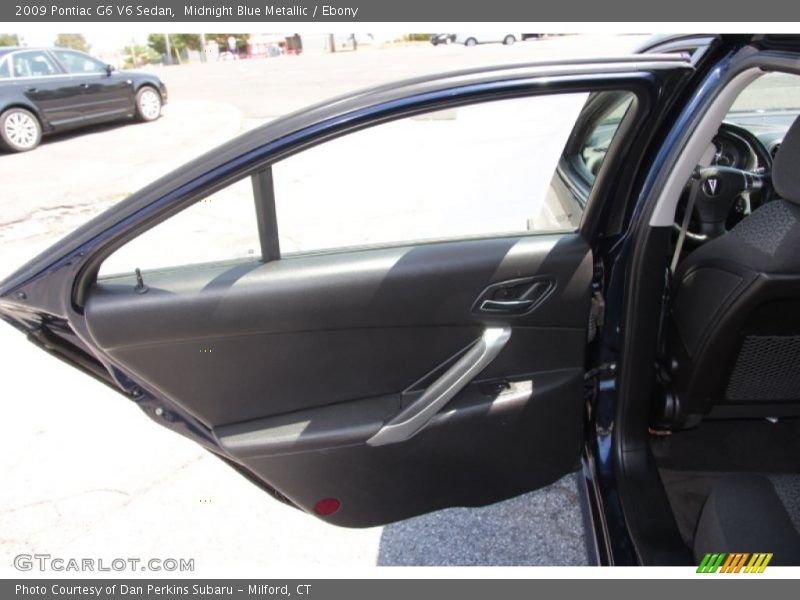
(595, 146)
(770, 93)
(77, 62)
(480, 170)
(34, 63)
(218, 228)
(766, 108)
(477, 170)
(5, 71)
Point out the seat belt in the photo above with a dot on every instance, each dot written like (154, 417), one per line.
(687, 216)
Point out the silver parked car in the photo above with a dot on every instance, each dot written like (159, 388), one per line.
(473, 39)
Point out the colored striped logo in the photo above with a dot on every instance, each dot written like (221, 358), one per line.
(735, 562)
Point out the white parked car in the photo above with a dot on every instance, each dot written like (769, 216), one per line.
(472, 39)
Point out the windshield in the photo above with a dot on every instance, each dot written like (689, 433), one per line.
(767, 107)
(774, 92)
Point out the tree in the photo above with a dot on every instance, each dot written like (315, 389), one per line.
(9, 39)
(178, 42)
(137, 56)
(222, 39)
(76, 41)
(418, 37)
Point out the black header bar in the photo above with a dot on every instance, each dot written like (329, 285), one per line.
(429, 11)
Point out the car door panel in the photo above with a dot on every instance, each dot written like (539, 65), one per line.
(313, 354)
(107, 96)
(104, 94)
(58, 98)
(289, 367)
(374, 322)
(400, 286)
(485, 447)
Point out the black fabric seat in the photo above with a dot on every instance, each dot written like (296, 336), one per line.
(752, 513)
(734, 337)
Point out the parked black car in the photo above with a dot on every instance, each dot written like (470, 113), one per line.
(442, 38)
(44, 90)
(642, 326)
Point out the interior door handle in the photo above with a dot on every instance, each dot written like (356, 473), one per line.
(515, 296)
(506, 306)
(416, 415)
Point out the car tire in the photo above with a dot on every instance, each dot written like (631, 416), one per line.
(148, 104)
(471, 42)
(20, 130)
(509, 40)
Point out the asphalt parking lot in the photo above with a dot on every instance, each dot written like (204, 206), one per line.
(86, 474)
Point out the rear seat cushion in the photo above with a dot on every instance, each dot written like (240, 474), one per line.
(744, 513)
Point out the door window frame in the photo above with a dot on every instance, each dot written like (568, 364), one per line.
(65, 68)
(8, 59)
(631, 77)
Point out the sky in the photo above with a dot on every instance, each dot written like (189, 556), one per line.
(101, 42)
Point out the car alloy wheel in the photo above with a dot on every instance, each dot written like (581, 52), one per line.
(148, 103)
(21, 130)
(471, 42)
(509, 39)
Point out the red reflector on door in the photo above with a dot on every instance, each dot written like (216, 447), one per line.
(327, 506)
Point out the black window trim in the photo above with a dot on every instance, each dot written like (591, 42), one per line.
(266, 215)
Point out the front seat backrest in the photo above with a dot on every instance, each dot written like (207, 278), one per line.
(734, 339)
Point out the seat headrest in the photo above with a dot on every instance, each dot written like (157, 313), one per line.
(786, 166)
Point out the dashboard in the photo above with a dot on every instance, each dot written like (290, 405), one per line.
(730, 151)
(734, 146)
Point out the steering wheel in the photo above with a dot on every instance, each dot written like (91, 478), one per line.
(714, 188)
(713, 191)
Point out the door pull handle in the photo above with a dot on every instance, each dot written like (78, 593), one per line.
(505, 306)
(418, 414)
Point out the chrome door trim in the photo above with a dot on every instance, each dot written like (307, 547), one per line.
(416, 416)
